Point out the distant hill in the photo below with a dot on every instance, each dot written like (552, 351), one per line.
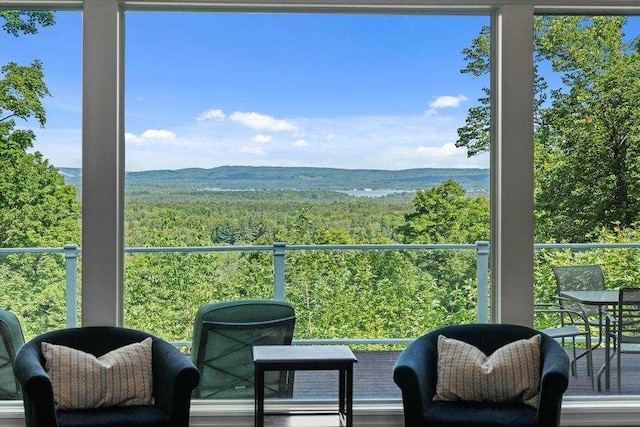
(295, 178)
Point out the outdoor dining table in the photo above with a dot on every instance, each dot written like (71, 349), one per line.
(601, 299)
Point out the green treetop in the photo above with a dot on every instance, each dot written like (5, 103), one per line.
(586, 132)
(36, 206)
(444, 214)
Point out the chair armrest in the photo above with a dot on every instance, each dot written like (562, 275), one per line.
(36, 386)
(572, 302)
(174, 378)
(563, 311)
(415, 372)
(554, 381)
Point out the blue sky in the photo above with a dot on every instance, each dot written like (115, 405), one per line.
(205, 89)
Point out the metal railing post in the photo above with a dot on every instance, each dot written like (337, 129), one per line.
(279, 249)
(482, 252)
(71, 258)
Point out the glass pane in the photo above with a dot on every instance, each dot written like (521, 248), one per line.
(262, 147)
(40, 158)
(586, 179)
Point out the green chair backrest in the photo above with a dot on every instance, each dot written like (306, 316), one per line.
(223, 337)
(12, 340)
(628, 317)
(579, 278)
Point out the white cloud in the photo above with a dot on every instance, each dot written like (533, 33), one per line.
(446, 151)
(262, 122)
(158, 134)
(262, 139)
(131, 138)
(217, 115)
(447, 101)
(258, 151)
(149, 136)
(378, 142)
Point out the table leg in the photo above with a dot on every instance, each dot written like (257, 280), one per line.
(607, 375)
(350, 395)
(341, 393)
(608, 355)
(259, 397)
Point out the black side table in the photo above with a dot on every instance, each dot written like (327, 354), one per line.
(307, 358)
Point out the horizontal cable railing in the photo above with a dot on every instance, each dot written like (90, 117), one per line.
(279, 250)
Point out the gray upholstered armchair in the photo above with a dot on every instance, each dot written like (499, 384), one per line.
(415, 372)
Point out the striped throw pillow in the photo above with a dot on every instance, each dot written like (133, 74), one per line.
(510, 374)
(80, 380)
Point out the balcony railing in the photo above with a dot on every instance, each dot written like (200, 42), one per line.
(280, 250)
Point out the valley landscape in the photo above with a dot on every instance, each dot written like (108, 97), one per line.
(294, 178)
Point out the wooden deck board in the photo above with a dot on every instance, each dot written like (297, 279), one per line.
(373, 378)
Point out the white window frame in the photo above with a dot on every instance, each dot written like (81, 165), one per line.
(512, 218)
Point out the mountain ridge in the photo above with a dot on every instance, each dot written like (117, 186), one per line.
(296, 178)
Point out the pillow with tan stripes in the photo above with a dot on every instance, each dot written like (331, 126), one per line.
(122, 377)
(510, 374)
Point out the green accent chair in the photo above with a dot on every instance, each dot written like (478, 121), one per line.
(223, 336)
(12, 340)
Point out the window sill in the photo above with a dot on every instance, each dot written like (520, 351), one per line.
(576, 411)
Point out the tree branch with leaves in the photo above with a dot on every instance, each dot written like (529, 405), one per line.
(586, 131)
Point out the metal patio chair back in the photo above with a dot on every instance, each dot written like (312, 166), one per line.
(223, 337)
(580, 278)
(627, 326)
(12, 340)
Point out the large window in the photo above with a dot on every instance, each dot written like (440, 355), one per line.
(586, 170)
(332, 130)
(40, 159)
(105, 51)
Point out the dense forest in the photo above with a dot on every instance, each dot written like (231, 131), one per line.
(375, 290)
(587, 189)
(369, 286)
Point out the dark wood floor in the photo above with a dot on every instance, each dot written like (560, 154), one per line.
(630, 374)
(373, 378)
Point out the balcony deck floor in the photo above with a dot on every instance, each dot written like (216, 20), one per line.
(373, 378)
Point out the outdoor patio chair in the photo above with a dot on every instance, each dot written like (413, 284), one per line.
(573, 324)
(416, 373)
(626, 326)
(582, 278)
(12, 340)
(223, 336)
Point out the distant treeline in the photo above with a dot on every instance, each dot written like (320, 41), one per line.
(295, 178)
